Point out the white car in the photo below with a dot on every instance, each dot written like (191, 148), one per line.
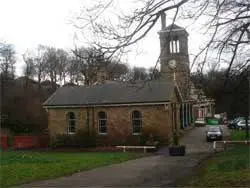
(200, 122)
(242, 124)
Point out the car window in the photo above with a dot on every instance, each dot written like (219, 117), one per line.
(242, 122)
(200, 119)
(214, 129)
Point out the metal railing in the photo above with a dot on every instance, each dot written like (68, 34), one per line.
(225, 143)
(136, 147)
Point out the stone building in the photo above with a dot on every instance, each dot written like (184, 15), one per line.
(117, 111)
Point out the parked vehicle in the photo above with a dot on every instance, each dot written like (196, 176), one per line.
(233, 123)
(212, 121)
(242, 124)
(200, 122)
(214, 133)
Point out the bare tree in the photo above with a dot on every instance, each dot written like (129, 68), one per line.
(117, 71)
(73, 70)
(62, 56)
(90, 61)
(85, 63)
(38, 60)
(226, 23)
(139, 73)
(7, 70)
(7, 60)
(50, 58)
(29, 68)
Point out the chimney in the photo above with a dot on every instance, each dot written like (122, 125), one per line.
(163, 20)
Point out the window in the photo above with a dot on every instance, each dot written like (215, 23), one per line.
(71, 120)
(136, 122)
(102, 123)
(174, 45)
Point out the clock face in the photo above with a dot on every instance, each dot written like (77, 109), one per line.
(172, 63)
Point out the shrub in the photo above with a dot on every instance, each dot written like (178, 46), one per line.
(85, 138)
(175, 139)
(82, 138)
(132, 140)
(63, 140)
(151, 136)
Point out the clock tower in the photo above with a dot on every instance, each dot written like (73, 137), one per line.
(174, 59)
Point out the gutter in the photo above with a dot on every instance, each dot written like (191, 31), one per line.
(107, 105)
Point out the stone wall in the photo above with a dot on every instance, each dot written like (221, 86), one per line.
(119, 121)
(57, 119)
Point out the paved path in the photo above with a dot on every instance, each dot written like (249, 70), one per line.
(196, 140)
(158, 170)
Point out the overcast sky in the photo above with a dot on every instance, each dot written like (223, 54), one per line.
(27, 23)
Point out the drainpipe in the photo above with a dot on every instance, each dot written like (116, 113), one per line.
(88, 119)
(186, 119)
(189, 114)
(93, 118)
(183, 115)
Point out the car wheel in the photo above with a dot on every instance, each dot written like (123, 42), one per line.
(208, 140)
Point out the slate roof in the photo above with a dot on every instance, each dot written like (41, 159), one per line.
(112, 93)
(174, 27)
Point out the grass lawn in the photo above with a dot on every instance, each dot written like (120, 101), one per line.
(226, 169)
(22, 167)
(239, 135)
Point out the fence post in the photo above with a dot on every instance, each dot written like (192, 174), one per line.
(214, 146)
(225, 145)
(124, 148)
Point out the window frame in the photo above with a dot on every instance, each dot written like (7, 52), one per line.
(174, 46)
(100, 124)
(69, 121)
(136, 119)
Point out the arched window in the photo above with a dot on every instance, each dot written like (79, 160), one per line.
(174, 45)
(136, 122)
(71, 120)
(102, 123)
